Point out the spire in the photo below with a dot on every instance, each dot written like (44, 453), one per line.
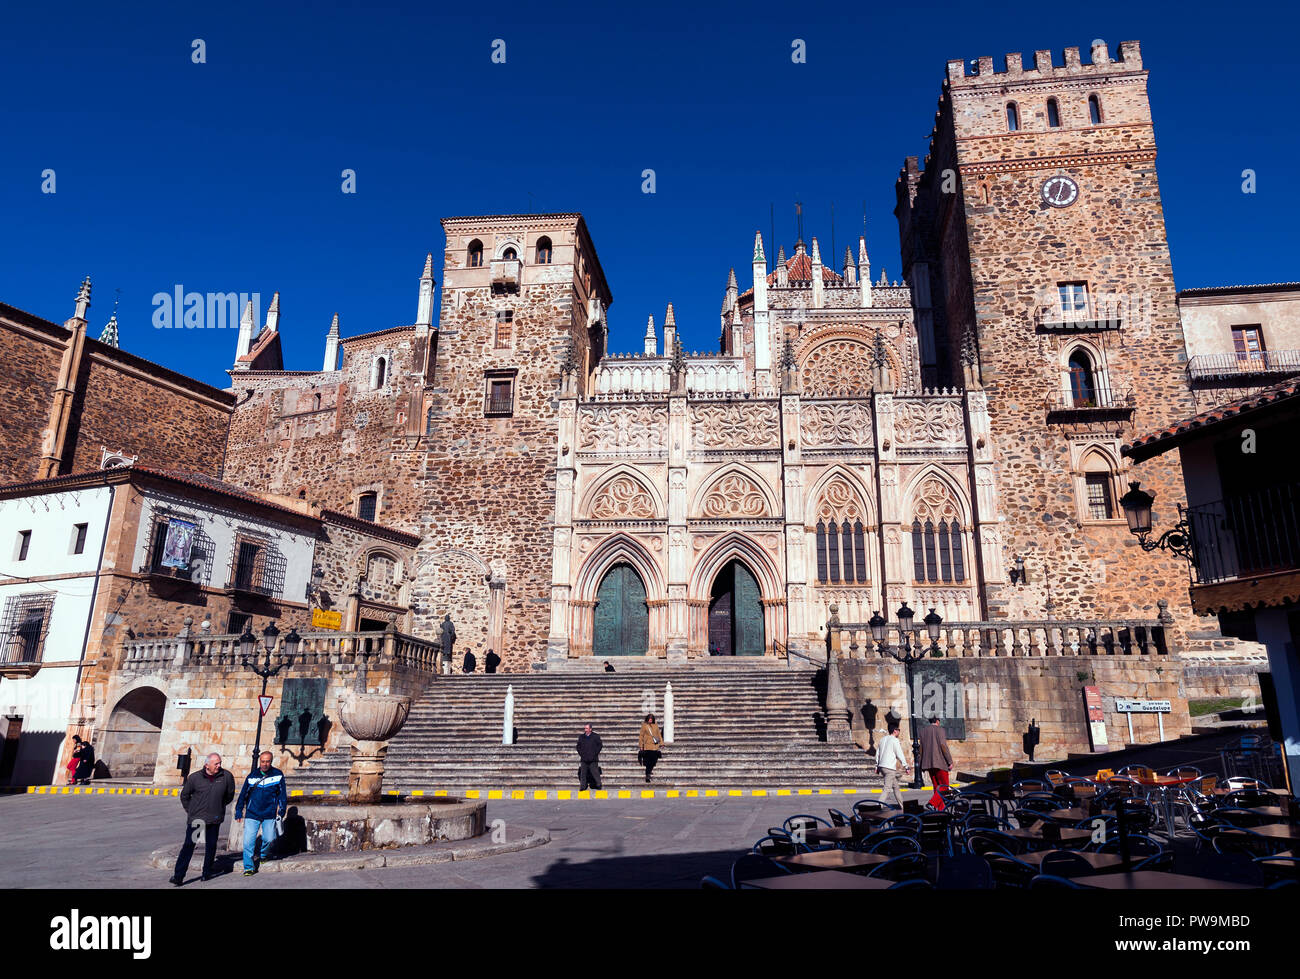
(818, 281)
(651, 340)
(83, 299)
(109, 336)
(884, 279)
(850, 270)
(816, 253)
(273, 314)
(782, 269)
(670, 330)
(245, 342)
(669, 318)
(731, 279)
(424, 311)
(780, 255)
(332, 346)
(864, 272)
(758, 248)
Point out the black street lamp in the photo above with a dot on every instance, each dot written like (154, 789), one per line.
(907, 654)
(1137, 511)
(248, 657)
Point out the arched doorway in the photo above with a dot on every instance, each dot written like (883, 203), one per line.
(736, 613)
(129, 745)
(622, 617)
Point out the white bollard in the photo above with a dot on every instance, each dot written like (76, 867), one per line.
(668, 715)
(508, 728)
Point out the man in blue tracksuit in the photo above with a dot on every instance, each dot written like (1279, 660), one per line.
(265, 798)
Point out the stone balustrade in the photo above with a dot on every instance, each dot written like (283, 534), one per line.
(1054, 637)
(326, 648)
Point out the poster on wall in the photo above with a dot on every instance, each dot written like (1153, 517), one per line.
(1096, 719)
(177, 544)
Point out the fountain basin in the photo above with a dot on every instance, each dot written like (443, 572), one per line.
(334, 827)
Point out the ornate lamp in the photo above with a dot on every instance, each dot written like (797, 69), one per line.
(1137, 511)
(247, 643)
(932, 623)
(877, 626)
(905, 616)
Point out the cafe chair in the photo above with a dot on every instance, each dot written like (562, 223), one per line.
(1185, 771)
(1064, 863)
(1032, 785)
(1246, 843)
(912, 884)
(1242, 782)
(1279, 868)
(891, 846)
(903, 821)
(1010, 872)
(1161, 861)
(1205, 785)
(779, 846)
(1056, 776)
(868, 805)
(1137, 771)
(713, 884)
(808, 823)
(1240, 818)
(1139, 816)
(1247, 799)
(1206, 834)
(754, 865)
(936, 833)
(984, 842)
(905, 866)
(1032, 804)
(1050, 882)
(1139, 847)
(838, 818)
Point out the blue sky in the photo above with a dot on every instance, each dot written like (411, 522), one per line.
(225, 176)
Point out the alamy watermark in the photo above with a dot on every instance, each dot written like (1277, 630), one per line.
(201, 310)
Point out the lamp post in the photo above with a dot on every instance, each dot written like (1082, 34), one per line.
(1137, 511)
(907, 654)
(248, 658)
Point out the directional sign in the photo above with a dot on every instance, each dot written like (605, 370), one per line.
(1143, 706)
(265, 701)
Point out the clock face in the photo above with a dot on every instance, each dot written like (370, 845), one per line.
(1060, 191)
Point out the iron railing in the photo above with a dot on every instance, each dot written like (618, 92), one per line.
(1094, 315)
(1241, 365)
(1248, 535)
(1096, 398)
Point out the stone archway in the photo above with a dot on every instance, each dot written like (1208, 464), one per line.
(621, 619)
(129, 742)
(736, 613)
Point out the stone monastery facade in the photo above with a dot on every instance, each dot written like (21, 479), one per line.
(950, 441)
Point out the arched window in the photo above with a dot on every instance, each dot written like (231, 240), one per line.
(1053, 114)
(379, 372)
(1013, 117)
(841, 536)
(316, 403)
(366, 505)
(1098, 488)
(475, 255)
(509, 254)
(1094, 109)
(937, 552)
(1083, 382)
(543, 251)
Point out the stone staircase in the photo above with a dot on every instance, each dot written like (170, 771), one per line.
(734, 727)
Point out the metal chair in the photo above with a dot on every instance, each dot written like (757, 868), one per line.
(1206, 784)
(1139, 816)
(838, 818)
(1142, 847)
(1136, 771)
(892, 846)
(1010, 872)
(1161, 861)
(754, 865)
(1247, 799)
(905, 866)
(1184, 771)
(912, 884)
(713, 884)
(778, 846)
(1205, 835)
(1040, 805)
(1064, 863)
(903, 821)
(984, 842)
(1245, 842)
(1050, 882)
(1279, 868)
(1056, 776)
(868, 805)
(936, 833)
(806, 822)
(1239, 818)
(1032, 785)
(1242, 782)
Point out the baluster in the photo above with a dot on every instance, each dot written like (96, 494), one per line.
(1016, 648)
(1034, 648)
(950, 647)
(1148, 647)
(1049, 640)
(853, 644)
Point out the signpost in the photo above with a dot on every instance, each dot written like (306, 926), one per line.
(1130, 707)
(202, 703)
(322, 619)
(1096, 719)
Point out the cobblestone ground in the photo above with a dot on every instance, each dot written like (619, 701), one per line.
(105, 842)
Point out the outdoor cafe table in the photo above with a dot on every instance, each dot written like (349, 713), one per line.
(1101, 863)
(1277, 831)
(1222, 790)
(832, 834)
(1275, 813)
(832, 860)
(1158, 880)
(1034, 837)
(819, 880)
(1077, 814)
(1162, 784)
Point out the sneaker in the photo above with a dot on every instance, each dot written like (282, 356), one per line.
(249, 873)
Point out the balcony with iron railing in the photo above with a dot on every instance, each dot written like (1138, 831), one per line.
(1091, 401)
(1246, 536)
(1244, 368)
(1092, 316)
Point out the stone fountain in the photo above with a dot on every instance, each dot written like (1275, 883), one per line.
(366, 818)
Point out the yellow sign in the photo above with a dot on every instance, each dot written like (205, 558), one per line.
(321, 619)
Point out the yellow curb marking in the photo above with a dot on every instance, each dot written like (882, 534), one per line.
(673, 793)
(692, 793)
(710, 792)
(624, 794)
(539, 794)
(495, 794)
(564, 794)
(647, 793)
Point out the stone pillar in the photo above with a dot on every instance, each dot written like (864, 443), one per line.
(798, 626)
(496, 613)
(893, 521)
(838, 715)
(678, 571)
(366, 776)
(563, 623)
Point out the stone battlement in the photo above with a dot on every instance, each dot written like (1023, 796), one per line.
(1130, 59)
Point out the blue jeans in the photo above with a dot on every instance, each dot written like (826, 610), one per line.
(251, 827)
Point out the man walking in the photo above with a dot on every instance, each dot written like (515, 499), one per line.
(889, 760)
(204, 797)
(588, 759)
(936, 760)
(265, 798)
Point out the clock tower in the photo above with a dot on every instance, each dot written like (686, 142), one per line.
(1036, 221)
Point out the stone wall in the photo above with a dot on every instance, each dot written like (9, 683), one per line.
(1005, 693)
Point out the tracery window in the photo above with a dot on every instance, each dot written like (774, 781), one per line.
(937, 549)
(841, 536)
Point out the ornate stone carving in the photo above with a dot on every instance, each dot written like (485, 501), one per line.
(835, 424)
(934, 502)
(734, 495)
(839, 502)
(623, 427)
(838, 368)
(734, 426)
(623, 498)
(928, 422)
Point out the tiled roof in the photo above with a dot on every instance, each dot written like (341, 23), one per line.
(800, 269)
(1166, 438)
(1252, 287)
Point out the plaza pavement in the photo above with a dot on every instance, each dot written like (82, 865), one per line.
(104, 841)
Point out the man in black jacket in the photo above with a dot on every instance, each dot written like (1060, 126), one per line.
(588, 759)
(205, 796)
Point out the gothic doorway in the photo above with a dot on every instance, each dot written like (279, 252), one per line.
(622, 617)
(736, 613)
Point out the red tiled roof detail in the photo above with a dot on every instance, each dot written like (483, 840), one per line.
(1143, 447)
(800, 269)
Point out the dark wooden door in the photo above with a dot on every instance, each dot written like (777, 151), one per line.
(622, 617)
(736, 614)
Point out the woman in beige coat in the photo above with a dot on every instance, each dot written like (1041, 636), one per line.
(650, 745)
